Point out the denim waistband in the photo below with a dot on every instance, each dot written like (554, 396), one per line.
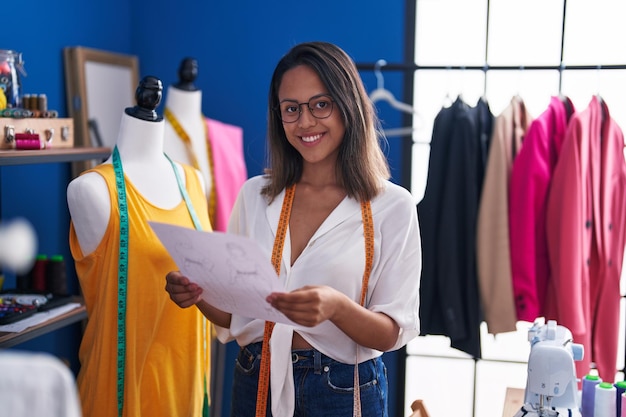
(303, 358)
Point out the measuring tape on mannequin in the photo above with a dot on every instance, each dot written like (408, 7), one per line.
(121, 279)
(123, 265)
(182, 134)
(279, 242)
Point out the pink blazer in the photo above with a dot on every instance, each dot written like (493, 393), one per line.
(586, 229)
(530, 179)
(229, 167)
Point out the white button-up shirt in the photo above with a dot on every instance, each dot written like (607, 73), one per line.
(335, 256)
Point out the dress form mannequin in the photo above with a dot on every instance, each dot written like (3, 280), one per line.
(135, 340)
(140, 146)
(184, 102)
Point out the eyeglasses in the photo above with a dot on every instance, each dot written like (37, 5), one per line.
(320, 106)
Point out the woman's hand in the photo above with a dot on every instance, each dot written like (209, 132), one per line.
(186, 294)
(307, 306)
(312, 305)
(182, 291)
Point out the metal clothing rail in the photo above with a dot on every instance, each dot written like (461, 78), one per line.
(410, 68)
(486, 67)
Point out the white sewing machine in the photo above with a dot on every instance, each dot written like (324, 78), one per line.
(551, 381)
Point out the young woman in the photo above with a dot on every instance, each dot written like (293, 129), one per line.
(343, 239)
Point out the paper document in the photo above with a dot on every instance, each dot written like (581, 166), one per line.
(234, 274)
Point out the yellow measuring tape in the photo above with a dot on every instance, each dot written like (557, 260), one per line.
(182, 134)
(279, 242)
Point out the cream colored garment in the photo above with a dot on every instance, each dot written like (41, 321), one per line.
(492, 245)
(36, 384)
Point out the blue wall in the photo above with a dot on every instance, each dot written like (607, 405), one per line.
(236, 43)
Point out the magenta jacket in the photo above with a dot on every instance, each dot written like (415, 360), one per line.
(586, 223)
(530, 179)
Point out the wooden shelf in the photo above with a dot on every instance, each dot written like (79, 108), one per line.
(8, 339)
(58, 155)
(15, 157)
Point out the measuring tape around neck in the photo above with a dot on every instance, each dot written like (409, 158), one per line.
(123, 264)
(184, 136)
(279, 242)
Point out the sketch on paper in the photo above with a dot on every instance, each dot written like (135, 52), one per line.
(232, 270)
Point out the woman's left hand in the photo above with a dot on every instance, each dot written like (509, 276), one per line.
(309, 305)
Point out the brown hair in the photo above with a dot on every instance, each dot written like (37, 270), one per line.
(361, 164)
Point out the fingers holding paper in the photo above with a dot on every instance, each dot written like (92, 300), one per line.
(186, 294)
(182, 291)
(307, 306)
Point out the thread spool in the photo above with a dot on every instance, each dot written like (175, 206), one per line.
(33, 102)
(42, 103)
(604, 402)
(26, 101)
(620, 386)
(623, 405)
(38, 275)
(27, 144)
(588, 394)
(56, 276)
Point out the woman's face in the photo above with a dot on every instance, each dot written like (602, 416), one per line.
(317, 139)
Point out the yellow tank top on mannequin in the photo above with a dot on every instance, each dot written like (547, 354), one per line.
(167, 355)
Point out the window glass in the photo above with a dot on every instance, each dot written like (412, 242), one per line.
(525, 32)
(445, 38)
(534, 87)
(595, 32)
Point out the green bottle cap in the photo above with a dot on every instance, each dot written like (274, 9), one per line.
(605, 385)
(56, 258)
(620, 384)
(592, 377)
(42, 257)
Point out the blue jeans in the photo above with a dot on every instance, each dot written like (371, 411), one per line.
(324, 387)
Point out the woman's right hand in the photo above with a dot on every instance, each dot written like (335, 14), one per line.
(182, 291)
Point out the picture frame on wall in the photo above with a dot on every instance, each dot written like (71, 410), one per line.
(99, 86)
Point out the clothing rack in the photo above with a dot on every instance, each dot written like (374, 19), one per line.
(409, 69)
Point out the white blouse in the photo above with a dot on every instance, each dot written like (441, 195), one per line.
(335, 256)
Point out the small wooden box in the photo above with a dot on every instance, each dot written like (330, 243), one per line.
(53, 132)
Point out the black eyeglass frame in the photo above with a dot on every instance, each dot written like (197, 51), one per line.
(332, 107)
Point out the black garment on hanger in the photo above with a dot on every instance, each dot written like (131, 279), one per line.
(449, 298)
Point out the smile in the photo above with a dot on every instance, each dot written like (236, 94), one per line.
(310, 139)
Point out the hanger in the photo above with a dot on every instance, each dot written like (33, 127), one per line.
(382, 94)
